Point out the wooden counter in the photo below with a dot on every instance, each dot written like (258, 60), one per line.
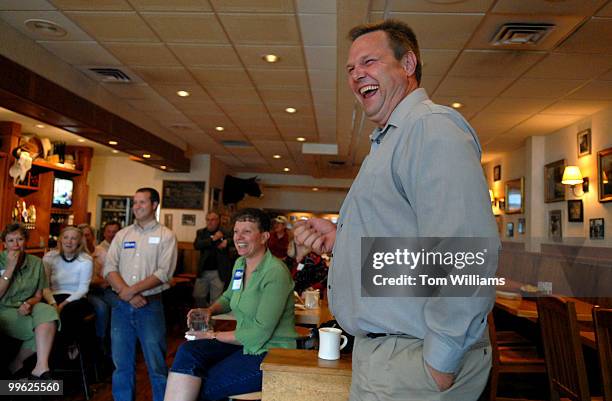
(290, 375)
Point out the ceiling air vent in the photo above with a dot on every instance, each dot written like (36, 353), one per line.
(235, 144)
(114, 75)
(521, 33)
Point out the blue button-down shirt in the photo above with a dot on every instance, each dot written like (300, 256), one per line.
(422, 178)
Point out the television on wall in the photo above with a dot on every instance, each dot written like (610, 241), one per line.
(62, 192)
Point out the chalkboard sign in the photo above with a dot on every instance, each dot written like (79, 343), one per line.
(183, 194)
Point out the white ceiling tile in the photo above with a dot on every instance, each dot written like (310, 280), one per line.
(186, 27)
(592, 37)
(199, 55)
(430, 82)
(472, 86)
(164, 75)
(278, 95)
(114, 26)
(578, 107)
(464, 6)
(565, 7)
(88, 5)
(144, 54)
(153, 104)
(541, 88)
(132, 91)
(606, 11)
(253, 6)
(470, 106)
(252, 56)
(267, 77)
(318, 29)
(322, 79)
(321, 57)
(221, 76)
(80, 53)
(517, 105)
(543, 124)
(174, 5)
(17, 20)
(432, 29)
(496, 123)
(571, 66)
(261, 29)
(324, 96)
(437, 61)
(490, 63)
(169, 91)
(596, 90)
(316, 6)
(237, 94)
(23, 5)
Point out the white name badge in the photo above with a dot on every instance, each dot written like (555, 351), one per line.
(237, 282)
(153, 240)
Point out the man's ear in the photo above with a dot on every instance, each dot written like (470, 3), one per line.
(409, 63)
(266, 236)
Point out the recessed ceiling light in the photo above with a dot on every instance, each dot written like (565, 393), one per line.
(183, 93)
(315, 189)
(39, 126)
(113, 143)
(456, 105)
(277, 156)
(286, 169)
(271, 58)
(219, 128)
(162, 167)
(290, 110)
(146, 156)
(300, 139)
(81, 140)
(115, 151)
(45, 28)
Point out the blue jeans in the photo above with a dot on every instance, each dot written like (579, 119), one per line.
(147, 324)
(224, 368)
(102, 302)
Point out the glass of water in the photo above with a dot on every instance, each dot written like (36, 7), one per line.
(198, 321)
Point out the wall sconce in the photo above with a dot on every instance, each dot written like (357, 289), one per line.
(573, 177)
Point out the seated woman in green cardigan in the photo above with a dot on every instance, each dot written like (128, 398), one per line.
(22, 315)
(219, 364)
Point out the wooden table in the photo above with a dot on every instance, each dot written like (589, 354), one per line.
(290, 375)
(302, 316)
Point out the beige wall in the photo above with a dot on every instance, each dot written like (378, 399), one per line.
(559, 145)
(121, 176)
(296, 200)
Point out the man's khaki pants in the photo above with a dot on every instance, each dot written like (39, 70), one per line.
(392, 368)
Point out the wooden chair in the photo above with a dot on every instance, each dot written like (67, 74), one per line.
(510, 359)
(562, 349)
(602, 319)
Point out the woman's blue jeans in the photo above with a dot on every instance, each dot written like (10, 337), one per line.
(148, 326)
(224, 369)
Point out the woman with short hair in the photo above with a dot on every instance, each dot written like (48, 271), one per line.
(22, 314)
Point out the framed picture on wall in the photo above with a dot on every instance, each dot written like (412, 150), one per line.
(497, 173)
(521, 226)
(515, 196)
(604, 175)
(509, 230)
(554, 191)
(168, 220)
(596, 229)
(575, 211)
(555, 225)
(188, 220)
(584, 142)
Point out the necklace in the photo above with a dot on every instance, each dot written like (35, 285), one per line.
(69, 260)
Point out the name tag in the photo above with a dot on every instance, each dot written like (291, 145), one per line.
(129, 244)
(237, 282)
(153, 240)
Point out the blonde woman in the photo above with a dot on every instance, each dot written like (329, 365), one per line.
(69, 268)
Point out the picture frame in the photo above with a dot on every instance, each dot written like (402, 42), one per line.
(584, 142)
(604, 175)
(521, 228)
(555, 225)
(183, 194)
(188, 220)
(215, 199)
(515, 196)
(597, 229)
(497, 173)
(168, 220)
(575, 211)
(509, 230)
(554, 190)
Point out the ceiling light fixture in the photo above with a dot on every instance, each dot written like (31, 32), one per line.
(456, 105)
(219, 128)
(277, 156)
(162, 167)
(45, 28)
(39, 126)
(81, 140)
(271, 58)
(183, 93)
(146, 156)
(315, 189)
(286, 169)
(291, 110)
(113, 143)
(300, 139)
(115, 151)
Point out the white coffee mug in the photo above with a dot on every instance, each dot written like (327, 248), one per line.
(329, 343)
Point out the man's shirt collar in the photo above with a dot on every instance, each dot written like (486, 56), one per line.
(401, 110)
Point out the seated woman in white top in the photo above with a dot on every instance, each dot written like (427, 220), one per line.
(69, 269)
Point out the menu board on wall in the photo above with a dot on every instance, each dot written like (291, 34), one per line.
(183, 194)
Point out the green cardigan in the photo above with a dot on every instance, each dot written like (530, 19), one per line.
(264, 310)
